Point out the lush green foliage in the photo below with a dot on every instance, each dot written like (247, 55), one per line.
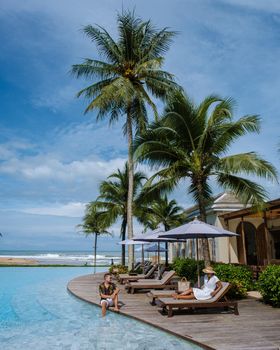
(125, 77)
(162, 211)
(130, 72)
(187, 267)
(240, 277)
(117, 269)
(191, 142)
(96, 223)
(113, 199)
(269, 285)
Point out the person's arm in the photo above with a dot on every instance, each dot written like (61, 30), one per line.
(219, 286)
(116, 292)
(102, 295)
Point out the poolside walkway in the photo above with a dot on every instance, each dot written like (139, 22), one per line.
(257, 326)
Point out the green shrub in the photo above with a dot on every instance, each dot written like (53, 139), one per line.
(187, 267)
(269, 285)
(240, 277)
(117, 269)
(138, 270)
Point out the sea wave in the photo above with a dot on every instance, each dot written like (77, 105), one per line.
(64, 257)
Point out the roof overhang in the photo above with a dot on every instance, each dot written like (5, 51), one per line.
(271, 211)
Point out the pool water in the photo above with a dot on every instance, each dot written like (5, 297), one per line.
(37, 312)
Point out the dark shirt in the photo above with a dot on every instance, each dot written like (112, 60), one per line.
(107, 291)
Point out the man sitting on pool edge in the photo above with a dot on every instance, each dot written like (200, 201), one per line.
(108, 293)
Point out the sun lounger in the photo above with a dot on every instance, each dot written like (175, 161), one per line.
(152, 284)
(124, 277)
(155, 294)
(219, 300)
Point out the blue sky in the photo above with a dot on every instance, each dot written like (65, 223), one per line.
(52, 157)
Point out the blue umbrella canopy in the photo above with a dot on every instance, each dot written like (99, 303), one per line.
(154, 249)
(196, 229)
(132, 242)
(155, 236)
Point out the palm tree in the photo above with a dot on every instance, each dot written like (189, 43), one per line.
(94, 222)
(130, 73)
(191, 142)
(113, 199)
(164, 212)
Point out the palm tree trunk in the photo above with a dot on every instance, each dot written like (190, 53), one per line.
(202, 212)
(123, 232)
(95, 250)
(130, 189)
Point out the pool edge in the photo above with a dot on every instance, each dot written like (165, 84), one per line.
(190, 339)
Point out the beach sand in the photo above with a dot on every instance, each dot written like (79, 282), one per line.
(17, 261)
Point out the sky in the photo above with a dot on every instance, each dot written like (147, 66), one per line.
(53, 157)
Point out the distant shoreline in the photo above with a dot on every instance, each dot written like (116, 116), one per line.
(22, 262)
(60, 257)
(17, 261)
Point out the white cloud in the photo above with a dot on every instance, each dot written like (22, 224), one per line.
(72, 209)
(267, 5)
(45, 168)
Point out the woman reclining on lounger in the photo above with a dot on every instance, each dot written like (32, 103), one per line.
(211, 287)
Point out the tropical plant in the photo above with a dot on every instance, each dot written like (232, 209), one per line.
(191, 142)
(240, 277)
(130, 72)
(187, 267)
(113, 199)
(269, 285)
(118, 269)
(163, 212)
(94, 223)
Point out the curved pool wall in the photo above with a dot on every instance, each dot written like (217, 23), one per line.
(37, 311)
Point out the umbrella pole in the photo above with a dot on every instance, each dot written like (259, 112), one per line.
(197, 260)
(143, 262)
(158, 261)
(166, 253)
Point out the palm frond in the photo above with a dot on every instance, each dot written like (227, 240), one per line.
(247, 191)
(248, 163)
(106, 45)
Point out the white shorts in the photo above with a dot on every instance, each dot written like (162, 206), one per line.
(108, 301)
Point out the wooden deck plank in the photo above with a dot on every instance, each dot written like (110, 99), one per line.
(256, 328)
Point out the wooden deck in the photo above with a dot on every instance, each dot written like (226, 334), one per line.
(257, 326)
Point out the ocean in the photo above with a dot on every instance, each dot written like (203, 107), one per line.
(62, 257)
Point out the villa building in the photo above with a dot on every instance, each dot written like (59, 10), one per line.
(258, 242)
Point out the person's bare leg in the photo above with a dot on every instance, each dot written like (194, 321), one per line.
(188, 291)
(187, 297)
(116, 301)
(104, 308)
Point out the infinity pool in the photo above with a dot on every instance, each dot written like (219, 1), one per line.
(37, 312)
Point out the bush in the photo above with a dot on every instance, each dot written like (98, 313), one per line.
(269, 285)
(187, 267)
(117, 269)
(240, 277)
(138, 270)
